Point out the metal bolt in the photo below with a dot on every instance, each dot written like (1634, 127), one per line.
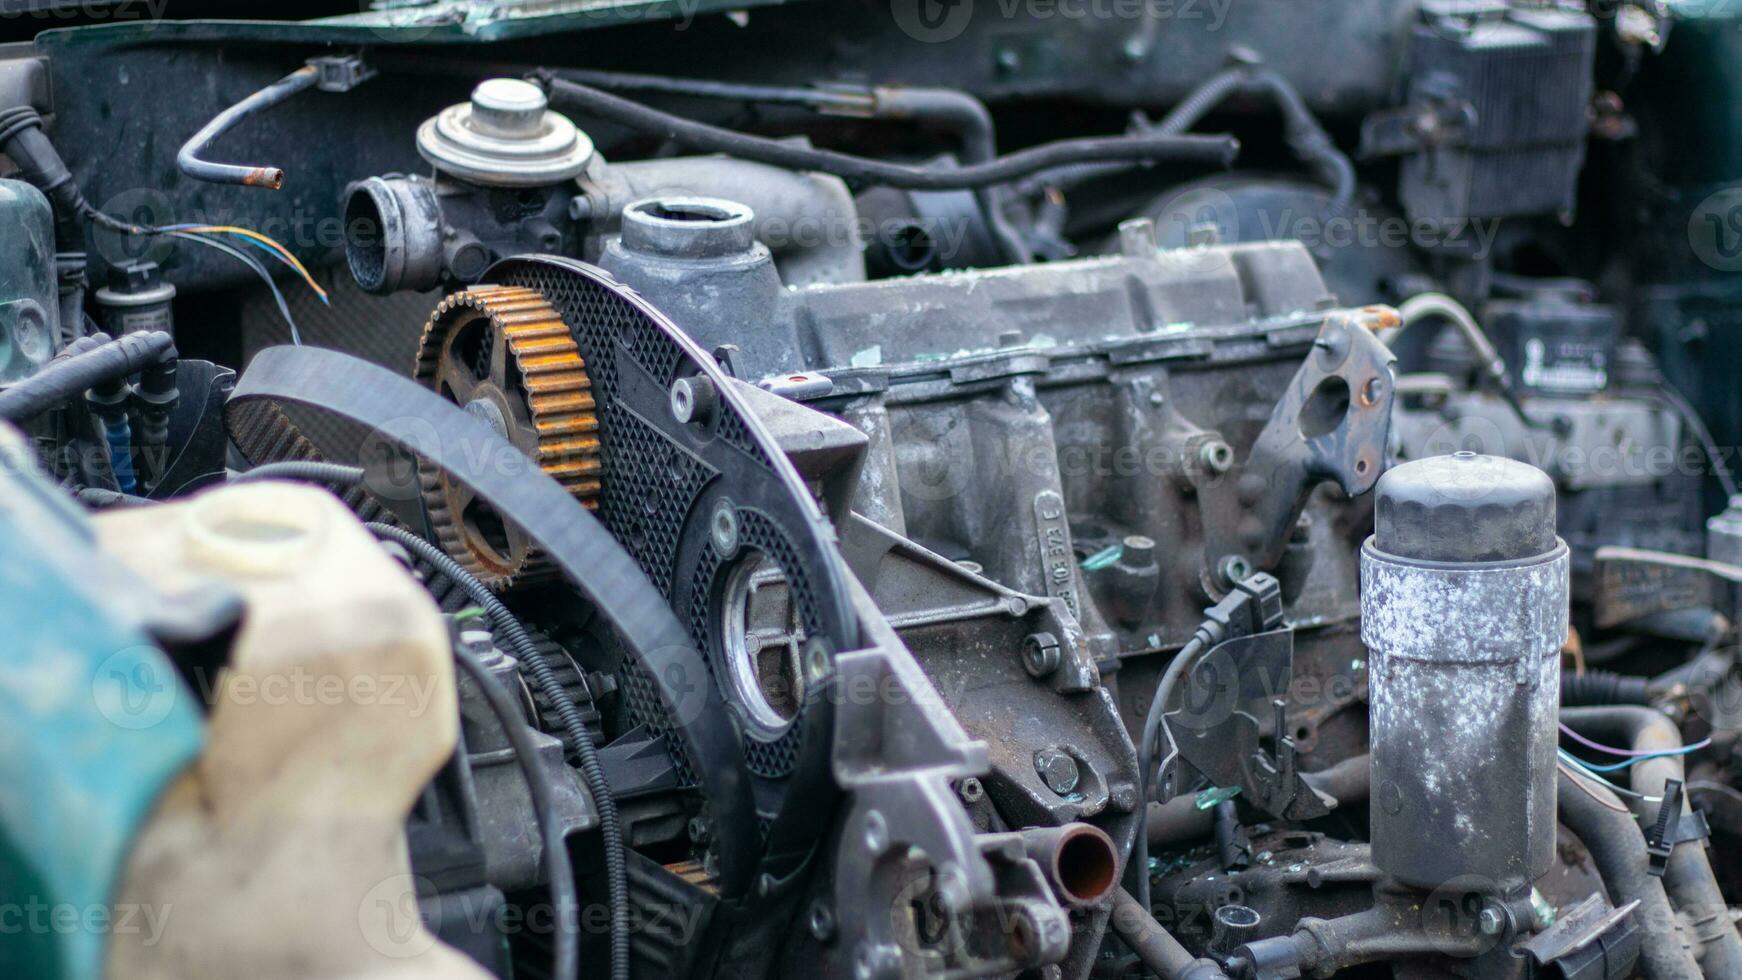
(816, 660)
(1216, 456)
(876, 832)
(822, 923)
(699, 830)
(1137, 239)
(971, 791)
(1234, 569)
(1490, 921)
(693, 399)
(724, 529)
(1057, 770)
(1139, 550)
(1040, 654)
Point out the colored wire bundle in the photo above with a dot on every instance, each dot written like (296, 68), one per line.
(1630, 756)
(1583, 770)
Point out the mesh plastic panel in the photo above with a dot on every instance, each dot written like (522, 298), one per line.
(650, 485)
(777, 758)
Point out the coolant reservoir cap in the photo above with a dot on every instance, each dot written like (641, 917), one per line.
(507, 136)
(1466, 507)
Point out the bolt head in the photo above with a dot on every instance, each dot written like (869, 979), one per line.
(1057, 770)
(1490, 921)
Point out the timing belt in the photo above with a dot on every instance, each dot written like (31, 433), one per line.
(409, 416)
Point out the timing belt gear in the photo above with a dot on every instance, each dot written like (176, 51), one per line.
(503, 353)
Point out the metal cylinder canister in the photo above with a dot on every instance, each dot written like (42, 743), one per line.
(1464, 589)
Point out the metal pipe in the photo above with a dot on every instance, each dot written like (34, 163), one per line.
(1154, 946)
(1078, 859)
(189, 159)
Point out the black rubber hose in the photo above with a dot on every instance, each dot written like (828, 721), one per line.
(76, 375)
(304, 471)
(567, 954)
(509, 627)
(40, 164)
(1216, 150)
(1154, 946)
(189, 159)
(1599, 687)
(1618, 850)
(1689, 880)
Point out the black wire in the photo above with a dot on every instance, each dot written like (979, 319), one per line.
(305, 471)
(509, 627)
(1217, 150)
(544, 808)
(1708, 445)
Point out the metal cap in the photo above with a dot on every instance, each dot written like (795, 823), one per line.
(507, 136)
(1465, 507)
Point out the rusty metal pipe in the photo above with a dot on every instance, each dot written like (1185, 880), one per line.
(1078, 859)
(189, 161)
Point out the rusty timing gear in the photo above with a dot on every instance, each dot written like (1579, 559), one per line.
(504, 354)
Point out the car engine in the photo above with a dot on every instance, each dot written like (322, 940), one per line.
(1055, 489)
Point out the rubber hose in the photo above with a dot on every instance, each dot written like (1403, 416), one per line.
(1600, 687)
(574, 726)
(1689, 880)
(74, 376)
(1618, 850)
(1216, 150)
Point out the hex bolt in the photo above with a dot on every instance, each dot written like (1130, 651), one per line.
(1040, 654)
(1490, 921)
(693, 399)
(971, 791)
(723, 529)
(1057, 770)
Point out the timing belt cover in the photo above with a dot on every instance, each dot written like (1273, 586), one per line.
(663, 485)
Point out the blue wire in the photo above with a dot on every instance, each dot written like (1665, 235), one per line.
(260, 270)
(1649, 755)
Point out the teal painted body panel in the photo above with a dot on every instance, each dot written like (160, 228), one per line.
(94, 723)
